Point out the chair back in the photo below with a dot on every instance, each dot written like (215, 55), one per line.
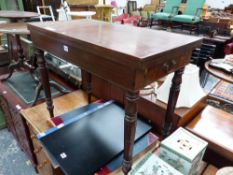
(170, 4)
(44, 8)
(131, 6)
(192, 6)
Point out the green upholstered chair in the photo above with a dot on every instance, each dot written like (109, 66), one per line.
(170, 9)
(192, 12)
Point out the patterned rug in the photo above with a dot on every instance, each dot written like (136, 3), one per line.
(24, 86)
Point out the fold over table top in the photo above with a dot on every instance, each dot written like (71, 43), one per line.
(90, 42)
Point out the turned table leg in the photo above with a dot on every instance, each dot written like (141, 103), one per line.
(129, 129)
(45, 80)
(173, 96)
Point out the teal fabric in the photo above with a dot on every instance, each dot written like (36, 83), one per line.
(170, 4)
(192, 6)
(167, 10)
(190, 11)
(161, 16)
(186, 19)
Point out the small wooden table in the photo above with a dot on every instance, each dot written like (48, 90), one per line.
(218, 73)
(17, 30)
(15, 16)
(128, 57)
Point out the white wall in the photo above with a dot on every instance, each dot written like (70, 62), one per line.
(221, 4)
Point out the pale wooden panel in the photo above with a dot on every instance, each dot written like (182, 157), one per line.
(38, 116)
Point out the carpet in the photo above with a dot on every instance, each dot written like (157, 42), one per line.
(12, 160)
(24, 86)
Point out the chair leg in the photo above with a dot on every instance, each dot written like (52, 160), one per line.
(151, 22)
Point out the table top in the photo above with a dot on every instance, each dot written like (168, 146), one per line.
(14, 28)
(218, 73)
(82, 13)
(127, 55)
(138, 43)
(17, 14)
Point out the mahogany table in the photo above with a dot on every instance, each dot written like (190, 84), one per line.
(126, 56)
(17, 30)
(218, 73)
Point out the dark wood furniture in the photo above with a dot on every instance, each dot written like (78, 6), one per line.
(16, 30)
(11, 106)
(218, 73)
(220, 42)
(15, 16)
(149, 108)
(98, 48)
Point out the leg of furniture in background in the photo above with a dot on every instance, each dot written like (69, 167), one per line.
(89, 86)
(45, 81)
(19, 62)
(169, 122)
(131, 99)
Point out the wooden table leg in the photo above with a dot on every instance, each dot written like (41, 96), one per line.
(14, 65)
(89, 86)
(173, 96)
(129, 129)
(44, 78)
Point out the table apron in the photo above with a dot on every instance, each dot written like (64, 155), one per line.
(125, 76)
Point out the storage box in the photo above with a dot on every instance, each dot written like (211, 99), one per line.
(151, 164)
(183, 150)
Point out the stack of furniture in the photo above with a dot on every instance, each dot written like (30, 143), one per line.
(104, 12)
(152, 7)
(82, 5)
(200, 56)
(219, 21)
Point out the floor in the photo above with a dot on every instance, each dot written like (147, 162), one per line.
(12, 160)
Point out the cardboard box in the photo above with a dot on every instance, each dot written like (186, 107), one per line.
(183, 150)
